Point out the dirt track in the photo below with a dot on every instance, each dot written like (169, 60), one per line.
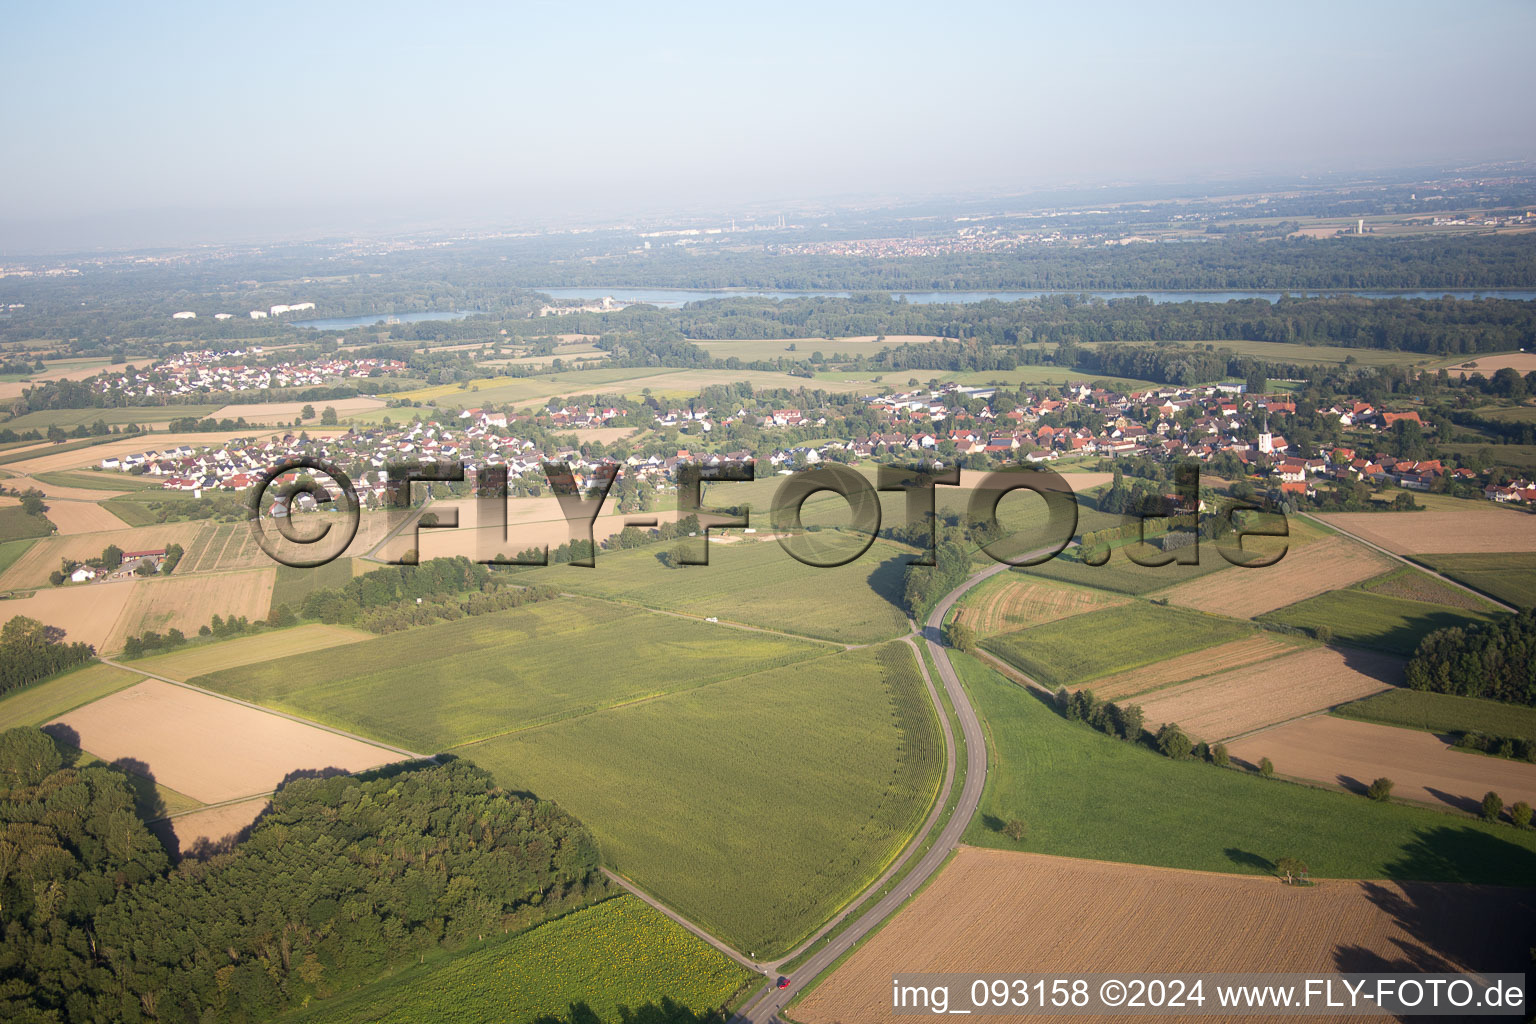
(991, 911)
(1349, 754)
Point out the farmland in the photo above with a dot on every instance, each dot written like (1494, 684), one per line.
(1223, 820)
(188, 602)
(757, 807)
(1416, 585)
(1081, 916)
(530, 665)
(1508, 576)
(1070, 652)
(1011, 601)
(36, 704)
(293, 585)
(1349, 754)
(11, 550)
(16, 524)
(32, 568)
(208, 748)
(1209, 661)
(1443, 713)
(613, 963)
(208, 824)
(1239, 701)
(1359, 617)
(1314, 569)
(202, 659)
(756, 583)
(1449, 525)
(82, 517)
(87, 612)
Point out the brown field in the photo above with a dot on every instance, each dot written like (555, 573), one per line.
(1522, 362)
(247, 650)
(82, 517)
(1018, 602)
(88, 617)
(607, 435)
(187, 602)
(209, 825)
(92, 455)
(1222, 658)
(1349, 754)
(1329, 564)
(207, 747)
(994, 911)
(285, 412)
(33, 567)
(1241, 700)
(13, 388)
(531, 522)
(1467, 526)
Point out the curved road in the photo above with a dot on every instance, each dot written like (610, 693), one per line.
(763, 1008)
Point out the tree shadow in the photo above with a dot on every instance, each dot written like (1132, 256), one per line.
(67, 739)
(1352, 784)
(1457, 800)
(668, 1011)
(1249, 860)
(889, 580)
(146, 796)
(992, 823)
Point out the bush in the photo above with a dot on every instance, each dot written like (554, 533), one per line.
(1520, 814)
(1266, 768)
(1493, 806)
(1219, 756)
(1173, 743)
(1380, 789)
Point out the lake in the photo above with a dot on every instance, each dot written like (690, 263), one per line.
(678, 296)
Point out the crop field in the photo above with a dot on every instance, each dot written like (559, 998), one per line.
(144, 415)
(1462, 527)
(206, 747)
(1329, 564)
(1241, 700)
(49, 458)
(756, 583)
(16, 524)
(88, 616)
(1373, 620)
(1416, 585)
(1508, 576)
(1073, 651)
(1307, 355)
(230, 546)
(33, 568)
(238, 652)
(293, 585)
(95, 485)
(1443, 713)
(208, 824)
(1076, 917)
(1221, 658)
(757, 806)
(1084, 794)
(82, 517)
(619, 962)
(287, 412)
(1349, 754)
(11, 550)
(188, 602)
(36, 704)
(1010, 601)
(453, 683)
(1523, 362)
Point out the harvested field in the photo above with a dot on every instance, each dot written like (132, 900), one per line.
(187, 602)
(26, 483)
(1329, 564)
(1239, 701)
(33, 568)
(1015, 602)
(1349, 754)
(82, 517)
(36, 704)
(1466, 527)
(88, 617)
(1522, 362)
(1264, 647)
(287, 412)
(92, 455)
(209, 748)
(987, 909)
(248, 650)
(531, 522)
(210, 825)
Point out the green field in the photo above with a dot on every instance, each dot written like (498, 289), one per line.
(1083, 794)
(438, 687)
(1072, 651)
(1443, 713)
(757, 807)
(29, 450)
(1364, 619)
(1303, 355)
(100, 481)
(294, 585)
(754, 582)
(15, 524)
(1418, 585)
(1508, 413)
(1508, 576)
(619, 962)
(1512, 456)
(10, 550)
(41, 702)
(141, 414)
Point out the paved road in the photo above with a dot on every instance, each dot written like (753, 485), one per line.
(765, 1006)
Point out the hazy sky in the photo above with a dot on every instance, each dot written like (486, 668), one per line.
(159, 118)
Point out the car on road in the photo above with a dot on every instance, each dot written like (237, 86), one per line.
(783, 982)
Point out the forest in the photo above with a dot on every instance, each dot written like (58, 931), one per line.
(341, 879)
(30, 651)
(1496, 660)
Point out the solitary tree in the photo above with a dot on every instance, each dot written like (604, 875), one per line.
(1493, 806)
(308, 412)
(961, 636)
(1291, 868)
(1380, 789)
(1266, 768)
(1015, 830)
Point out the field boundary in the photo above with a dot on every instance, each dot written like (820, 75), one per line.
(1405, 561)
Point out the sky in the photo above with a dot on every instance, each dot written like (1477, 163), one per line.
(139, 123)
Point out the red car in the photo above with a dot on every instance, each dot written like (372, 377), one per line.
(783, 982)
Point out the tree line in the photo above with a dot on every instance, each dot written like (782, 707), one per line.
(1496, 660)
